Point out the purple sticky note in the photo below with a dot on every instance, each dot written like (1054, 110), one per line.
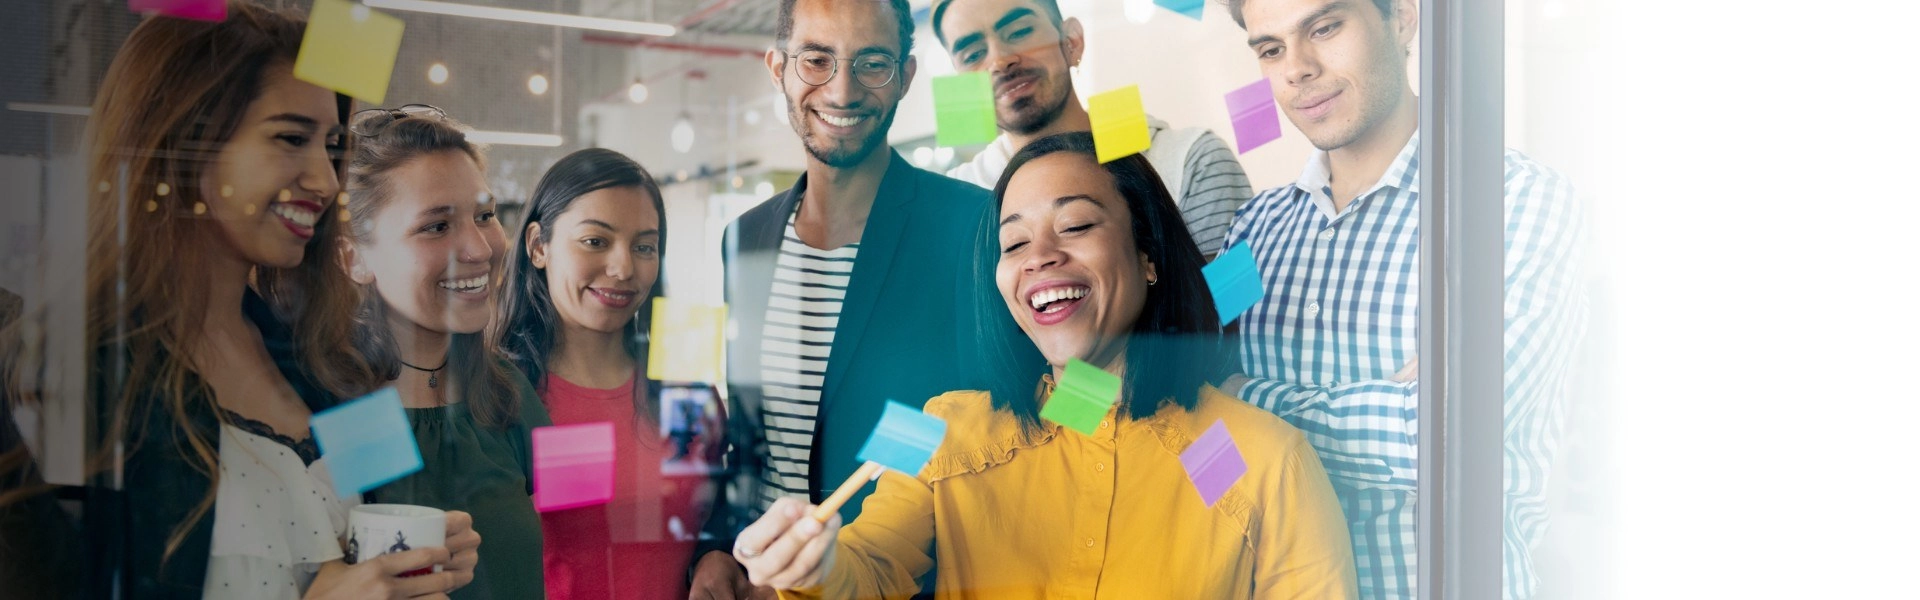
(572, 466)
(1256, 119)
(1213, 463)
(198, 10)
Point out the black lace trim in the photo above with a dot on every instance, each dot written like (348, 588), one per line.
(306, 449)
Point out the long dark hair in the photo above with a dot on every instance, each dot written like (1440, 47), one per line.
(474, 371)
(1177, 343)
(524, 328)
(176, 93)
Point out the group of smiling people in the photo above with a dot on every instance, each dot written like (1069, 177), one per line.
(261, 251)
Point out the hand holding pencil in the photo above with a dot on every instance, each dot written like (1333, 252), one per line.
(792, 545)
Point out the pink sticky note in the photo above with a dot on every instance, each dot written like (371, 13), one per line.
(572, 466)
(1214, 463)
(1256, 120)
(198, 10)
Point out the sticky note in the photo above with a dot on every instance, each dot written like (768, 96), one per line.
(350, 49)
(685, 342)
(1119, 123)
(1214, 463)
(1082, 397)
(963, 109)
(198, 10)
(904, 440)
(367, 442)
(1189, 8)
(1234, 281)
(1256, 119)
(572, 466)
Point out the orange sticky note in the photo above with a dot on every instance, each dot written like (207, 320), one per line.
(350, 49)
(685, 344)
(1119, 123)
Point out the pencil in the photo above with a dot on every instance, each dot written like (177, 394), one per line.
(867, 472)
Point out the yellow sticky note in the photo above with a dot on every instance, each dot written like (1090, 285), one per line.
(1119, 123)
(350, 49)
(685, 344)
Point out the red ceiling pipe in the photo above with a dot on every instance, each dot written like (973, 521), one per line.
(705, 49)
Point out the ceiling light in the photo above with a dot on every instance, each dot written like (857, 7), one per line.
(537, 84)
(526, 16)
(637, 93)
(437, 73)
(682, 134)
(753, 117)
(764, 188)
(1139, 11)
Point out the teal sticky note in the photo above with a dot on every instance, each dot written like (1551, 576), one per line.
(1082, 397)
(904, 440)
(1234, 280)
(367, 442)
(963, 109)
(1189, 8)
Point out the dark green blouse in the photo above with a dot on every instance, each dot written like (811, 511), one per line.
(487, 472)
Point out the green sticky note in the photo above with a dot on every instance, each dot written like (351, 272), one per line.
(1082, 397)
(963, 109)
(1119, 123)
(350, 49)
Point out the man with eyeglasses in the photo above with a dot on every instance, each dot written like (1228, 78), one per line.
(1332, 347)
(1027, 48)
(848, 290)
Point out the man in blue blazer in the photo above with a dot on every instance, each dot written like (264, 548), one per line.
(854, 287)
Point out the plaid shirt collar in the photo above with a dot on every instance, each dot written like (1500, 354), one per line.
(1316, 180)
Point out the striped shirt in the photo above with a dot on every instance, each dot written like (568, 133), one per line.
(1214, 187)
(803, 310)
(1341, 316)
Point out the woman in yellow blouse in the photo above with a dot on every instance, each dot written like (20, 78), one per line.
(1095, 264)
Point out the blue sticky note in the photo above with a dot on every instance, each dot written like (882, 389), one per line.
(904, 440)
(367, 442)
(1189, 8)
(1234, 281)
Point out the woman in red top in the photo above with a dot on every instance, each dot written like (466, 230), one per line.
(579, 299)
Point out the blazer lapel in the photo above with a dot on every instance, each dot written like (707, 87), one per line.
(879, 241)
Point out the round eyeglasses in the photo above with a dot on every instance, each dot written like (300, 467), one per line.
(817, 67)
(371, 122)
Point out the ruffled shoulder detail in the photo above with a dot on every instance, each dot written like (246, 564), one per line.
(979, 437)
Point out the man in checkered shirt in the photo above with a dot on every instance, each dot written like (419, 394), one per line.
(1332, 346)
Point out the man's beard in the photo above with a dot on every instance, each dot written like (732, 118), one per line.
(1035, 113)
(843, 156)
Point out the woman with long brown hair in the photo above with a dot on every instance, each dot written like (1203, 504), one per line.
(213, 223)
(426, 250)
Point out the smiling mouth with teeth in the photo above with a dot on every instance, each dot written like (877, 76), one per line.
(840, 121)
(295, 214)
(1054, 300)
(465, 285)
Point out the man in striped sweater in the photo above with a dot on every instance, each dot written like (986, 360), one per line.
(1027, 47)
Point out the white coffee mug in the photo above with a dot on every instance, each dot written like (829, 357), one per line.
(377, 529)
